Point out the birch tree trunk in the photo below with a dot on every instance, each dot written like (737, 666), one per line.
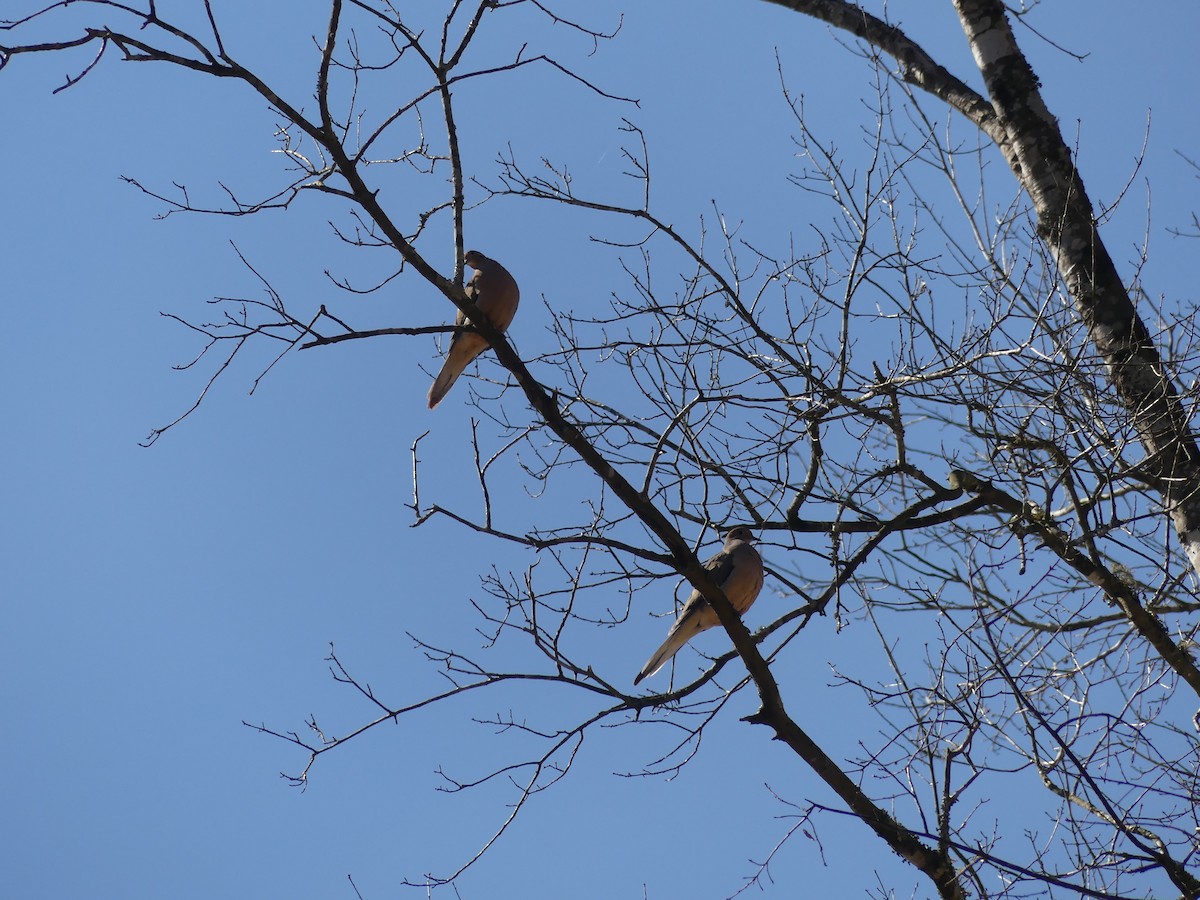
(1016, 118)
(1042, 163)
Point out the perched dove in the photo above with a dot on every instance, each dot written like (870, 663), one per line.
(496, 294)
(738, 569)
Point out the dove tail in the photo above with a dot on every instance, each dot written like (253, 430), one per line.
(672, 645)
(451, 369)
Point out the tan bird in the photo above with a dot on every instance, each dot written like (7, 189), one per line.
(738, 569)
(496, 294)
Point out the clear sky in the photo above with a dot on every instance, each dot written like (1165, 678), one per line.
(155, 598)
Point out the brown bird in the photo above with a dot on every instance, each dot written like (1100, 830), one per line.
(738, 569)
(496, 294)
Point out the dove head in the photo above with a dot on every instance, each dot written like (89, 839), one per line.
(741, 533)
(474, 259)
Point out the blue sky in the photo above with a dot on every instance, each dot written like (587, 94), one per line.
(155, 598)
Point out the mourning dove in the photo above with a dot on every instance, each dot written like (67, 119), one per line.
(738, 569)
(496, 294)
